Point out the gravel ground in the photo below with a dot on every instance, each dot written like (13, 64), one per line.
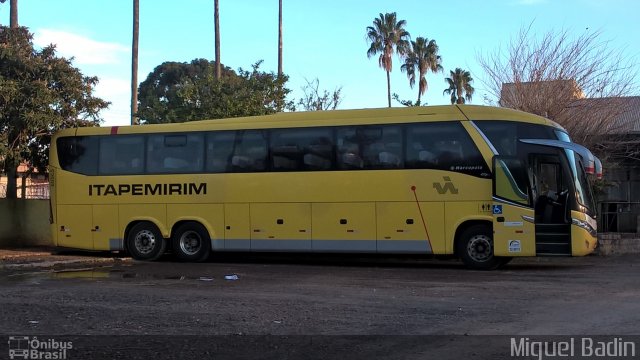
(394, 305)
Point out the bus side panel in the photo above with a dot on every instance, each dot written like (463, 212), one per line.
(513, 236)
(344, 227)
(155, 213)
(280, 227)
(211, 216)
(74, 226)
(237, 233)
(106, 233)
(401, 227)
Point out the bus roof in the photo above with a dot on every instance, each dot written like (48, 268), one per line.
(329, 118)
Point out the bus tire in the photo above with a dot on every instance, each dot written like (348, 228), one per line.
(191, 242)
(475, 248)
(145, 242)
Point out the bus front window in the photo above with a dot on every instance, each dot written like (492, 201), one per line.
(584, 196)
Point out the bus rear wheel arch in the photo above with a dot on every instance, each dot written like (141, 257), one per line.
(144, 241)
(474, 245)
(191, 241)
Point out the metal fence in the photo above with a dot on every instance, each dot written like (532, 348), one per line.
(38, 190)
(619, 217)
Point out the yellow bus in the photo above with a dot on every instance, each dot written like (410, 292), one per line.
(482, 183)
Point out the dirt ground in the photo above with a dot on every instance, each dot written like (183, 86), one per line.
(392, 305)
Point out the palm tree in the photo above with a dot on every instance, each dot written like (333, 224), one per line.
(459, 83)
(216, 22)
(423, 57)
(134, 62)
(387, 36)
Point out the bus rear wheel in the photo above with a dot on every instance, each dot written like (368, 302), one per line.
(191, 242)
(145, 242)
(475, 248)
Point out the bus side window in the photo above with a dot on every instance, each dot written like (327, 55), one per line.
(303, 149)
(220, 147)
(349, 155)
(444, 146)
(175, 153)
(319, 154)
(121, 155)
(390, 156)
(250, 151)
(78, 154)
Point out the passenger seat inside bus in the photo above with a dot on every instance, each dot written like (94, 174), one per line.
(252, 159)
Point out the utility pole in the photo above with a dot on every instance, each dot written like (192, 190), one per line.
(134, 62)
(279, 37)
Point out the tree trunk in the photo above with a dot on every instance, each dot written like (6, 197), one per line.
(216, 21)
(12, 170)
(23, 186)
(280, 38)
(134, 62)
(13, 18)
(389, 88)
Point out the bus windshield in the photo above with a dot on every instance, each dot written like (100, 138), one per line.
(584, 196)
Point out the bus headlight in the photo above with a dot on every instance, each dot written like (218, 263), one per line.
(585, 225)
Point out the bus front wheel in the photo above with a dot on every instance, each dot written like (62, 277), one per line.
(145, 242)
(191, 242)
(475, 248)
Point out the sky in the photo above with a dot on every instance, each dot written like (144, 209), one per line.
(322, 39)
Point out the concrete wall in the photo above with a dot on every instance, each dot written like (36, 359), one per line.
(618, 244)
(24, 223)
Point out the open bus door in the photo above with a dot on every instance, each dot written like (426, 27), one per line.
(513, 215)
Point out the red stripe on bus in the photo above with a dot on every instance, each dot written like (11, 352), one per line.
(114, 130)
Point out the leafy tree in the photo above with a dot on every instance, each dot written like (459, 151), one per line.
(422, 57)
(315, 100)
(178, 92)
(408, 103)
(388, 36)
(459, 86)
(39, 94)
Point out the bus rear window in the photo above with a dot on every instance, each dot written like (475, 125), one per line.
(78, 154)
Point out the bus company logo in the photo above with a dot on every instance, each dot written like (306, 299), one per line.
(25, 347)
(148, 189)
(514, 246)
(446, 187)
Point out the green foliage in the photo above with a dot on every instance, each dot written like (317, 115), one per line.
(179, 92)
(408, 103)
(460, 87)
(39, 94)
(599, 187)
(316, 100)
